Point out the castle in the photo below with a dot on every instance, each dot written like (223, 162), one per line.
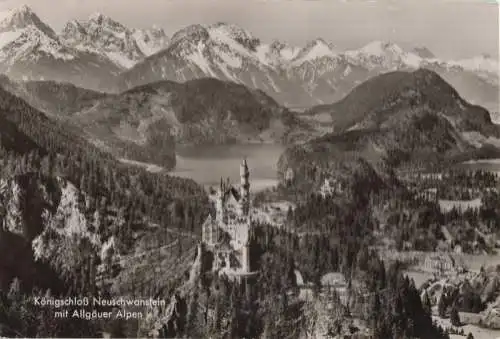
(227, 235)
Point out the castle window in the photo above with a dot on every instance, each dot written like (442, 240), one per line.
(235, 263)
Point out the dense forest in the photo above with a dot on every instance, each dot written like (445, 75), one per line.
(129, 199)
(321, 237)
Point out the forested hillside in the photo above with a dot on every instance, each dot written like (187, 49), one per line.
(63, 201)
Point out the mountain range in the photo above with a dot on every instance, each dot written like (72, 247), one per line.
(89, 53)
(301, 77)
(104, 55)
(103, 36)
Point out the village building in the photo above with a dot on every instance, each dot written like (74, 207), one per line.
(330, 187)
(439, 263)
(336, 281)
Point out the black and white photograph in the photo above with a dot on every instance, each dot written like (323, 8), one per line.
(250, 169)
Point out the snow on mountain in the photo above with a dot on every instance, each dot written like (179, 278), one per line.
(32, 44)
(31, 50)
(23, 17)
(232, 46)
(91, 53)
(23, 36)
(314, 50)
(326, 74)
(386, 55)
(423, 52)
(284, 52)
(314, 74)
(151, 41)
(276, 54)
(104, 36)
(482, 63)
(380, 49)
(222, 51)
(233, 35)
(8, 37)
(389, 56)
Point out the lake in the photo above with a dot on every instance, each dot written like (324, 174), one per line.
(206, 164)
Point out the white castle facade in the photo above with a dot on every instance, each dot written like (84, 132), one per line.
(227, 235)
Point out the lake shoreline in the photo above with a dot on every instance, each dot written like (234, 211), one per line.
(208, 164)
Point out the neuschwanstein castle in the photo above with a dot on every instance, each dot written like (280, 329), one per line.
(227, 235)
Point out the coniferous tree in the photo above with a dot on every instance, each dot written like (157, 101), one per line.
(455, 317)
(426, 303)
(442, 306)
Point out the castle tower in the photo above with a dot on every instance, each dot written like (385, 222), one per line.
(245, 187)
(245, 253)
(219, 206)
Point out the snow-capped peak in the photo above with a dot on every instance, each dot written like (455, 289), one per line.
(151, 40)
(73, 30)
(284, 50)
(223, 31)
(383, 54)
(22, 11)
(192, 33)
(277, 53)
(233, 31)
(381, 48)
(315, 49)
(102, 35)
(23, 36)
(481, 63)
(100, 19)
(278, 45)
(22, 17)
(97, 17)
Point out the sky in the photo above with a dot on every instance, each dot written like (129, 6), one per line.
(449, 28)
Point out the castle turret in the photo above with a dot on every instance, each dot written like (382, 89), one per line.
(245, 187)
(219, 206)
(245, 258)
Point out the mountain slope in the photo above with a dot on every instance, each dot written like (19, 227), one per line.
(372, 102)
(30, 49)
(13, 140)
(423, 52)
(57, 99)
(158, 116)
(277, 53)
(220, 51)
(397, 119)
(332, 77)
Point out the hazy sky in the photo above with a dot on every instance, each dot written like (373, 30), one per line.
(449, 28)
